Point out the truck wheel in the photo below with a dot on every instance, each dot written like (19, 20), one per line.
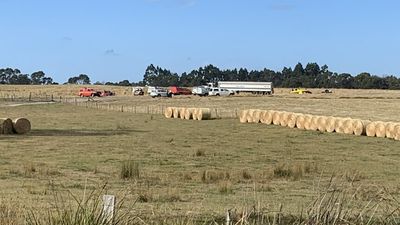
(217, 95)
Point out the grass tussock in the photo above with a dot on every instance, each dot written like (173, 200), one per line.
(294, 171)
(9, 213)
(130, 170)
(212, 176)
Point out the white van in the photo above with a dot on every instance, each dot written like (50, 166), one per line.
(215, 91)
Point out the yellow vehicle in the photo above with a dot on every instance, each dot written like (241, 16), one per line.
(300, 91)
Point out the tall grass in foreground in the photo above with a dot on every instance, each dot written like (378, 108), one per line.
(336, 204)
(85, 211)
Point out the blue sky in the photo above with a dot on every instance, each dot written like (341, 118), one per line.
(117, 40)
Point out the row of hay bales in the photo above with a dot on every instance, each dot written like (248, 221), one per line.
(322, 123)
(188, 113)
(17, 126)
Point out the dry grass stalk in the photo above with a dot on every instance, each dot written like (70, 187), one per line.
(21, 126)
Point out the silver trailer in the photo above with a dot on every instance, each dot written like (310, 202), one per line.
(247, 86)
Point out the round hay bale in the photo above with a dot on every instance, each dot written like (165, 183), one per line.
(285, 118)
(276, 117)
(262, 116)
(194, 113)
(359, 127)
(370, 129)
(330, 124)
(188, 113)
(307, 121)
(243, 116)
(21, 126)
(292, 120)
(321, 122)
(182, 113)
(176, 112)
(6, 126)
(300, 120)
(348, 127)
(203, 114)
(268, 116)
(168, 112)
(339, 125)
(314, 123)
(397, 132)
(380, 129)
(249, 115)
(256, 116)
(390, 132)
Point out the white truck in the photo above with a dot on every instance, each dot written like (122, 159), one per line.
(200, 90)
(247, 86)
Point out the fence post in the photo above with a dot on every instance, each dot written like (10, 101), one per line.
(30, 96)
(122, 108)
(108, 208)
(52, 98)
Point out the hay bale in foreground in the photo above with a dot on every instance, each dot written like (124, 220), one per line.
(300, 120)
(21, 126)
(292, 119)
(243, 116)
(176, 112)
(6, 126)
(256, 116)
(371, 129)
(194, 113)
(330, 124)
(188, 113)
(380, 129)
(276, 117)
(203, 114)
(348, 127)
(321, 123)
(397, 132)
(168, 112)
(360, 126)
(268, 116)
(262, 116)
(390, 129)
(339, 125)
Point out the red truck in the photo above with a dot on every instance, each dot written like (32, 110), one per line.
(174, 90)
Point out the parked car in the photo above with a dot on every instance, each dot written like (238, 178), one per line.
(200, 90)
(219, 92)
(159, 92)
(89, 92)
(138, 91)
(174, 90)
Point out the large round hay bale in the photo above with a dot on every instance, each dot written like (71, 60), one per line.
(359, 126)
(188, 113)
(21, 126)
(194, 113)
(380, 129)
(292, 120)
(6, 126)
(348, 127)
(276, 117)
(268, 117)
(300, 120)
(390, 132)
(339, 125)
(285, 118)
(263, 116)
(397, 132)
(168, 112)
(321, 123)
(256, 116)
(307, 121)
(243, 116)
(330, 124)
(370, 129)
(176, 111)
(314, 123)
(203, 114)
(182, 113)
(249, 116)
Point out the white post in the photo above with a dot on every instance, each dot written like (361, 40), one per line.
(228, 217)
(108, 207)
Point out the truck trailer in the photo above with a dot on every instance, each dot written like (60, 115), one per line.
(247, 86)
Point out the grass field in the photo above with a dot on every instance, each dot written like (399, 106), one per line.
(196, 168)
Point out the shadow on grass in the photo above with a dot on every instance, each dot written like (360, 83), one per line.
(81, 132)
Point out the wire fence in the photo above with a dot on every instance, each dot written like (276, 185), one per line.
(216, 113)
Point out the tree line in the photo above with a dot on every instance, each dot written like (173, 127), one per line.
(310, 76)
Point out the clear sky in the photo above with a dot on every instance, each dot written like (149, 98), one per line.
(113, 40)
